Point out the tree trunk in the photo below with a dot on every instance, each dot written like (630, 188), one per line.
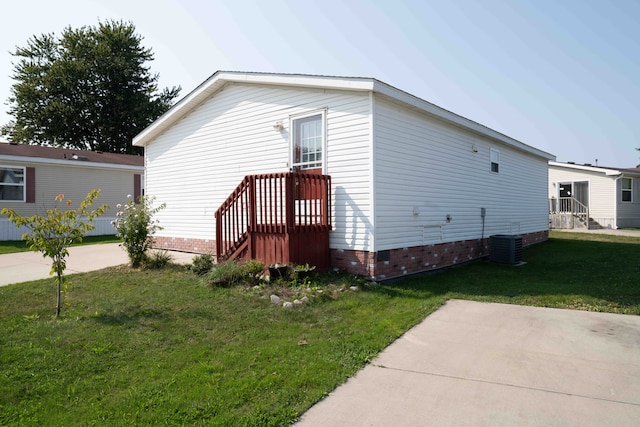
(58, 299)
(59, 286)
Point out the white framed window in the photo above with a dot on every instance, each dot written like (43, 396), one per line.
(626, 189)
(495, 160)
(307, 141)
(12, 183)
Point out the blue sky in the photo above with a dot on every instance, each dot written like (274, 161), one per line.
(562, 76)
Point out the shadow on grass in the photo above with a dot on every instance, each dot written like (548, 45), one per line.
(129, 315)
(562, 272)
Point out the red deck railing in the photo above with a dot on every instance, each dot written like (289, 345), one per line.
(265, 211)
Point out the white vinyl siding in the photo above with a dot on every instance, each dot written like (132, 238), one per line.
(195, 164)
(628, 210)
(422, 168)
(428, 171)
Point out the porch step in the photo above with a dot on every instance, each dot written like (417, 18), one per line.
(594, 225)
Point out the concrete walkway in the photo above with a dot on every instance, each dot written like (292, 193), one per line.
(479, 364)
(27, 266)
(621, 232)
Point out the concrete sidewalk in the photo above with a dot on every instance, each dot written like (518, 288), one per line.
(479, 364)
(617, 232)
(26, 266)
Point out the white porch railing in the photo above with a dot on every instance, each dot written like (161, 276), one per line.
(564, 211)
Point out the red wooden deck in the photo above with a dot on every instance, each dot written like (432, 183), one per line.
(282, 218)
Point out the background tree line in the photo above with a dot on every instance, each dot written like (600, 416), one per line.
(88, 89)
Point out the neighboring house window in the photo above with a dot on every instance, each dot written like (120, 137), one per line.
(495, 161)
(12, 183)
(627, 189)
(308, 142)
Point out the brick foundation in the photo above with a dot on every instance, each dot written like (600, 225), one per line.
(199, 246)
(395, 263)
(382, 265)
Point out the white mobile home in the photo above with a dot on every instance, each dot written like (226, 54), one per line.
(593, 197)
(31, 176)
(413, 187)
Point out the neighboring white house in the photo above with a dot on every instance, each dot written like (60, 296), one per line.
(31, 176)
(587, 196)
(414, 187)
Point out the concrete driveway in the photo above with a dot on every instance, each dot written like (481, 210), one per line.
(26, 266)
(479, 364)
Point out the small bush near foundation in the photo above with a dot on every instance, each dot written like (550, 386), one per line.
(252, 271)
(224, 275)
(135, 225)
(157, 260)
(202, 264)
(234, 273)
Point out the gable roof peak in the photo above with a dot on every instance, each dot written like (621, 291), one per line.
(218, 79)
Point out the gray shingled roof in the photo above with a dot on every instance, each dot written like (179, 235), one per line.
(24, 150)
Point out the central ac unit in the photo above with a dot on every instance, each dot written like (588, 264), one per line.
(505, 248)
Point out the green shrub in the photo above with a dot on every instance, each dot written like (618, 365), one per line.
(202, 264)
(252, 271)
(303, 273)
(135, 225)
(233, 273)
(157, 260)
(225, 274)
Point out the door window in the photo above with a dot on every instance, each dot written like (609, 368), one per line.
(565, 190)
(308, 142)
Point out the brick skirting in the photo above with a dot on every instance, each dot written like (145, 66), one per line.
(199, 246)
(382, 265)
(395, 263)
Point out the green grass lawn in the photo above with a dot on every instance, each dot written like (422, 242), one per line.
(159, 347)
(11, 246)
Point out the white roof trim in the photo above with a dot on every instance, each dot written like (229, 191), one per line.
(218, 79)
(605, 171)
(69, 163)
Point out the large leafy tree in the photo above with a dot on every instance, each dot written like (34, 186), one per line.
(90, 89)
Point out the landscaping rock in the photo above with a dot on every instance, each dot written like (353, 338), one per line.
(288, 305)
(354, 288)
(297, 302)
(275, 299)
(304, 300)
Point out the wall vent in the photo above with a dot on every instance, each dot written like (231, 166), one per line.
(505, 248)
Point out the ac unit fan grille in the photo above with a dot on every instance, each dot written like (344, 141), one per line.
(505, 248)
